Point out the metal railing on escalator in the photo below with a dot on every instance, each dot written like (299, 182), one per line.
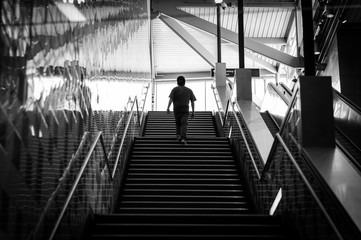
(346, 114)
(287, 185)
(90, 185)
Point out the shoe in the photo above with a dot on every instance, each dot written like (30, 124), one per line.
(179, 138)
(184, 142)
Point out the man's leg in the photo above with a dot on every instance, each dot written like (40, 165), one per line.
(177, 118)
(184, 125)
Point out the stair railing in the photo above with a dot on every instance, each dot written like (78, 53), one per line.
(309, 186)
(98, 137)
(282, 129)
(263, 190)
(132, 112)
(217, 101)
(302, 200)
(144, 100)
(224, 116)
(135, 113)
(244, 136)
(35, 233)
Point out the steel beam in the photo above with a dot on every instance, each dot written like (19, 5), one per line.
(171, 10)
(268, 40)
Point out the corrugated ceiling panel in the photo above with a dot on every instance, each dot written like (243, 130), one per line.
(172, 54)
(258, 22)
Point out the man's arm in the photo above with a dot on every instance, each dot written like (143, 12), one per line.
(192, 105)
(169, 103)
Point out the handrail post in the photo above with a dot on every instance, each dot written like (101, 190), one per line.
(219, 109)
(226, 113)
(123, 139)
(105, 156)
(138, 115)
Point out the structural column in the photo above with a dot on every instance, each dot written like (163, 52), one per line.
(317, 112)
(308, 47)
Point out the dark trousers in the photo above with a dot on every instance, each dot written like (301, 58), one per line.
(181, 122)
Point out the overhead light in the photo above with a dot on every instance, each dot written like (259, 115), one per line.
(342, 19)
(218, 1)
(327, 12)
(316, 48)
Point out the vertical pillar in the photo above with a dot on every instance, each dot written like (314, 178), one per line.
(317, 112)
(219, 52)
(308, 47)
(240, 34)
(243, 79)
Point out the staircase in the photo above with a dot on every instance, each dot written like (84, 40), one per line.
(175, 191)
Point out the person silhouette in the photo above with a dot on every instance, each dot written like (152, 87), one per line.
(180, 97)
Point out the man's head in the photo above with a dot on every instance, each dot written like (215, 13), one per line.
(181, 81)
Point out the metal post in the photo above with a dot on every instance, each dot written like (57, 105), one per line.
(219, 56)
(308, 47)
(240, 34)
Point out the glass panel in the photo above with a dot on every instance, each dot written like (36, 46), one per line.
(59, 78)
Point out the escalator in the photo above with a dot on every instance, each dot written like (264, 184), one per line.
(346, 114)
(175, 191)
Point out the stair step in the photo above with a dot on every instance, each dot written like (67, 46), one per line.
(187, 148)
(193, 228)
(183, 185)
(185, 165)
(175, 210)
(196, 205)
(178, 153)
(181, 180)
(189, 218)
(230, 162)
(181, 198)
(169, 156)
(190, 236)
(182, 175)
(183, 192)
(179, 170)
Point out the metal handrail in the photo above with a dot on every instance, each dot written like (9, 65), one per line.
(61, 181)
(282, 127)
(239, 126)
(140, 120)
(144, 100)
(318, 201)
(349, 103)
(226, 113)
(115, 136)
(245, 141)
(76, 182)
(111, 173)
(215, 97)
(135, 102)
